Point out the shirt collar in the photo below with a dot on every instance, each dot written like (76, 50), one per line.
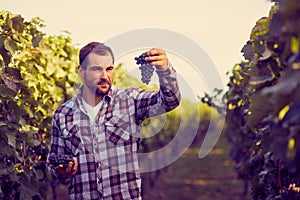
(107, 97)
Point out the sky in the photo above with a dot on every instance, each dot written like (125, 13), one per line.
(219, 27)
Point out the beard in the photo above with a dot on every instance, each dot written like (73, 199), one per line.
(98, 89)
(102, 92)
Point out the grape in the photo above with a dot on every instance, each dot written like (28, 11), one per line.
(146, 68)
(60, 159)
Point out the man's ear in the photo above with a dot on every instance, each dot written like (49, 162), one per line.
(80, 71)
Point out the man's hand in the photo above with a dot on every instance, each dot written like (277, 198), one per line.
(158, 58)
(66, 172)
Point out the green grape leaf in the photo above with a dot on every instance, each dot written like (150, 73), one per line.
(17, 23)
(260, 108)
(5, 148)
(248, 51)
(10, 46)
(292, 116)
(4, 53)
(260, 81)
(9, 135)
(282, 93)
(276, 24)
(259, 45)
(36, 39)
(6, 91)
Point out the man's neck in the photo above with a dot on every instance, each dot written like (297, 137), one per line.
(91, 97)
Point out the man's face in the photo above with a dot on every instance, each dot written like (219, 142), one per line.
(98, 73)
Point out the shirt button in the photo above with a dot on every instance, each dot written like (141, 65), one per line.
(94, 142)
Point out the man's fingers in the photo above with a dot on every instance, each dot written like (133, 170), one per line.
(156, 57)
(72, 166)
(75, 166)
(69, 167)
(158, 63)
(156, 51)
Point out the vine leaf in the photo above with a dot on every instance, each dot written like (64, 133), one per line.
(4, 53)
(10, 46)
(6, 91)
(282, 93)
(260, 108)
(11, 139)
(248, 51)
(17, 23)
(275, 25)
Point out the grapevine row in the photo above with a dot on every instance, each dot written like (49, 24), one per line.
(263, 105)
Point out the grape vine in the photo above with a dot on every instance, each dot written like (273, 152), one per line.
(263, 104)
(37, 73)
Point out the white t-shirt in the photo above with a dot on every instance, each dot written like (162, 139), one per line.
(92, 111)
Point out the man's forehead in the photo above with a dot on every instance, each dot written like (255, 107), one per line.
(96, 55)
(94, 58)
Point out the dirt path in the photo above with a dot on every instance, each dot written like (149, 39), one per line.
(191, 178)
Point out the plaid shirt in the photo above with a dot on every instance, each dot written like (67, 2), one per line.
(107, 147)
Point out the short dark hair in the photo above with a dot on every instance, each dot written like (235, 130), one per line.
(96, 47)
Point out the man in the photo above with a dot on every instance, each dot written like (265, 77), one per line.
(100, 126)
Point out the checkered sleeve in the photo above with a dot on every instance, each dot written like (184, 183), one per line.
(56, 144)
(149, 103)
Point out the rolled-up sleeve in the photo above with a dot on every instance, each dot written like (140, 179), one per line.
(169, 89)
(152, 103)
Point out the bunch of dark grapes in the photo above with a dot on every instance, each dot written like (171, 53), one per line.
(60, 159)
(146, 68)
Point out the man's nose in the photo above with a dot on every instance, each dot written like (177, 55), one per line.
(104, 75)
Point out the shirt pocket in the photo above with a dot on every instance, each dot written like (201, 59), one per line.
(72, 142)
(118, 131)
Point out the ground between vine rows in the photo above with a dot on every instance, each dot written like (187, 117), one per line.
(191, 178)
